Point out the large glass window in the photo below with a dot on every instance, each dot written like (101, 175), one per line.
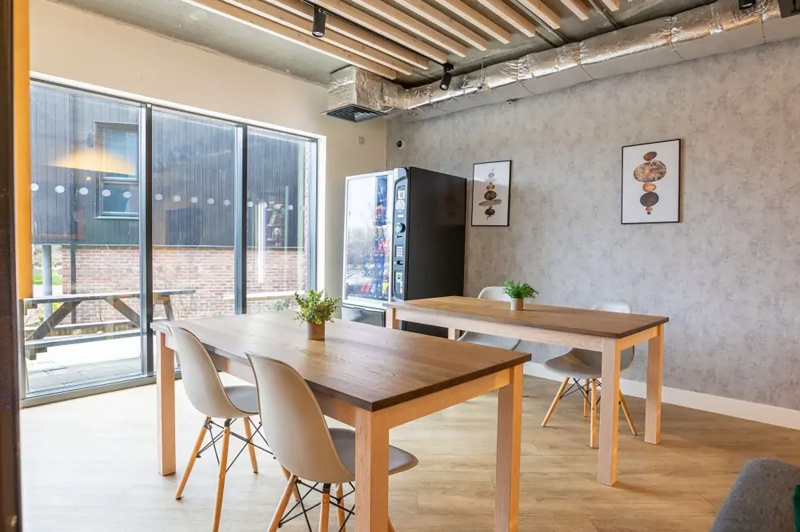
(279, 171)
(81, 327)
(194, 178)
(94, 163)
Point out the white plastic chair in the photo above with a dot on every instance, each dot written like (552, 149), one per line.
(494, 293)
(301, 440)
(216, 401)
(585, 365)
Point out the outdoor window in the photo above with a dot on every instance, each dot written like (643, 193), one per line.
(118, 147)
(228, 201)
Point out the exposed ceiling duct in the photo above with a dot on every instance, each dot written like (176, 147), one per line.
(708, 30)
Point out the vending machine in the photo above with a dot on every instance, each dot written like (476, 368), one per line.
(404, 239)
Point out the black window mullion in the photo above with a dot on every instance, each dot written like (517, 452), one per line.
(240, 223)
(146, 238)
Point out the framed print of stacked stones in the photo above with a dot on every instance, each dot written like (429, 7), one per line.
(651, 182)
(491, 188)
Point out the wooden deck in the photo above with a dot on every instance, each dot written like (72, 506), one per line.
(100, 472)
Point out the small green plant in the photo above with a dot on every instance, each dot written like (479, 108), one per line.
(516, 290)
(313, 307)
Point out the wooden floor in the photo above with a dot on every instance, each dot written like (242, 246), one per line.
(90, 464)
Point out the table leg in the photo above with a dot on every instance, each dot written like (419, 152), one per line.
(391, 319)
(453, 334)
(609, 414)
(509, 443)
(372, 472)
(655, 376)
(165, 385)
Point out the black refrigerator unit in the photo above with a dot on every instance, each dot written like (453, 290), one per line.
(404, 239)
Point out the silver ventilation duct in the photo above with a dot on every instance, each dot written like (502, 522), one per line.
(708, 30)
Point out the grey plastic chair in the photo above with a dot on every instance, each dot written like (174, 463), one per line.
(216, 401)
(585, 365)
(494, 293)
(301, 440)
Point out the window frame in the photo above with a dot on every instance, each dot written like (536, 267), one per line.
(103, 179)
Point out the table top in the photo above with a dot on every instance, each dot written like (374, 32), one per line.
(563, 319)
(104, 295)
(368, 366)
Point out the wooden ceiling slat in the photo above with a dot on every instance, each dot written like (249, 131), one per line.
(578, 8)
(612, 5)
(547, 15)
(476, 19)
(382, 28)
(396, 16)
(511, 16)
(445, 22)
(300, 8)
(244, 16)
(303, 25)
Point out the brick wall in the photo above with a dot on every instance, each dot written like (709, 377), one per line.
(207, 271)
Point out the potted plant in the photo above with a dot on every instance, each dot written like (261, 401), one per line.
(519, 292)
(314, 308)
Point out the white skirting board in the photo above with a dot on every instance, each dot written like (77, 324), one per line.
(772, 415)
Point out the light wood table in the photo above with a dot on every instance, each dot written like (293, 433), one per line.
(370, 378)
(607, 332)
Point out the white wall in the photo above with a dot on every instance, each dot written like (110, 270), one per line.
(87, 48)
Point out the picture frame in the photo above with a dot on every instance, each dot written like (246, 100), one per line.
(491, 193)
(650, 183)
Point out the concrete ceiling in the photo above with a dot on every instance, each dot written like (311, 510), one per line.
(181, 21)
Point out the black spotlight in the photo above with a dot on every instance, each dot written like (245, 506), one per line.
(446, 76)
(318, 27)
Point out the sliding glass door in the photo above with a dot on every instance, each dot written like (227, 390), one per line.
(280, 170)
(201, 216)
(82, 325)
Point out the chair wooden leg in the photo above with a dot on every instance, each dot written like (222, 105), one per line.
(593, 416)
(340, 508)
(248, 433)
(197, 444)
(287, 493)
(555, 402)
(586, 400)
(627, 414)
(325, 508)
(223, 467)
(288, 475)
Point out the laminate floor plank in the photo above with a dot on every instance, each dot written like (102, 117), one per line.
(90, 464)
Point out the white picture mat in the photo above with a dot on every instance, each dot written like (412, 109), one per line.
(502, 183)
(668, 188)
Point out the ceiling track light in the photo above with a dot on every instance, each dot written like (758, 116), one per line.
(444, 84)
(318, 26)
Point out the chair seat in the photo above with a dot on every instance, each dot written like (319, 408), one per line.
(344, 440)
(489, 340)
(584, 363)
(244, 397)
(571, 365)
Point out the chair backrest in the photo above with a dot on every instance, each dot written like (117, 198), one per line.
(294, 425)
(626, 357)
(200, 378)
(494, 293)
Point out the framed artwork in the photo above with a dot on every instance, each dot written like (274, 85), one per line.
(491, 193)
(651, 182)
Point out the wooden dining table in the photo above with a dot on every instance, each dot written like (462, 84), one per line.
(370, 378)
(609, 333)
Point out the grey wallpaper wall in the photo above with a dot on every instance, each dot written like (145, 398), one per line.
(728, 276)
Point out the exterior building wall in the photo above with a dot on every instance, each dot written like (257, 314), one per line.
(206, 270)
